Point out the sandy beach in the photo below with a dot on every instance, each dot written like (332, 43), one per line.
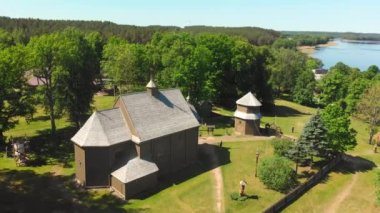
(311, 49)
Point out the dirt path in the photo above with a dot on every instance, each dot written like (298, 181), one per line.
(335, 204)
(217, 172)
(211, 139)
(218, 178)
(338, 200)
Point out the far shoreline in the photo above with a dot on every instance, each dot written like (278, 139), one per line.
(309, 50)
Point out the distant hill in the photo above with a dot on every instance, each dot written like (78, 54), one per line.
(30, 27)
(343, 35)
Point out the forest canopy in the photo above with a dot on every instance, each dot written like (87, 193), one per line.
(25, 28)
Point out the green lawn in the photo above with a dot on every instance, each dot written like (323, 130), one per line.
(287, 115)
(41, 121)
(50, 187)
(242, 166)
(193, 195)
(51, 182)
(361, 197)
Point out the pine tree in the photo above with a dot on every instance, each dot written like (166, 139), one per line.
(312, 142)
(315, 135)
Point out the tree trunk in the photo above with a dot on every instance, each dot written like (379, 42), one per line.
(50, 99)
(311, 161)
(371, 134)
(51, 110)
(2, 139)
(77, 123)
(52, 121)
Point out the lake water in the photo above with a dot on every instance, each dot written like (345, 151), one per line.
(358, 55)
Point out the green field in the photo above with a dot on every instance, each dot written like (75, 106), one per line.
(194, 189)
(350, 188)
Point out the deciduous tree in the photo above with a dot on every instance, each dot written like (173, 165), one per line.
(368, 108)
(341, 137)
(285, 67)
(43, 61)
(75, 75)
(14, 97)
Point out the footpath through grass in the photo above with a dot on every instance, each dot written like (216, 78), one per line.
(358, 175)
(52, 181)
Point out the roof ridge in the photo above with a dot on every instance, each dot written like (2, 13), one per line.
(101, 124)
(103, 110)
(142, 92)
(133, 125)
(88, 132)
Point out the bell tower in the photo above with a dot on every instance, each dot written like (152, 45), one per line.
(247, 115)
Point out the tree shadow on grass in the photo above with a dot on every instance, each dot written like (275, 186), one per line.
(220, 121)
(27, 191)
(306, 174)
(253, 197)
(284, 111)
(352, 164)
(41, 118)
(48, 149)
(204, 164)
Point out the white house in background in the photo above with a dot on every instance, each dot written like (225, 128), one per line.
(319, 73)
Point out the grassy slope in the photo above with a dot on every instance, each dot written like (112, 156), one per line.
(196, 194)
(288, 115)
(362, 195)
(361, 198)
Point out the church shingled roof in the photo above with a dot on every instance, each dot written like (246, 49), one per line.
(103, 128)
(134, 169)
(156, 116)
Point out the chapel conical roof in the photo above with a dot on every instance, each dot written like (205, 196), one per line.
(151, 84)
(248, 100)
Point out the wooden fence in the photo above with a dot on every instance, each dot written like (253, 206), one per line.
(300, 190)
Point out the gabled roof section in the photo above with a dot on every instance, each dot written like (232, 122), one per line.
(159, 115)
(103, 128)
(134, 169)
(248, 100)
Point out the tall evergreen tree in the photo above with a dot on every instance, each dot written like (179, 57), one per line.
(312, 142)
(315, 134)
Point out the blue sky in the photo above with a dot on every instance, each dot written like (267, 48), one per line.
(309, 15)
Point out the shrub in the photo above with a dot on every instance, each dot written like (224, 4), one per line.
(236, 196)
(281, 147)
(276, 173)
